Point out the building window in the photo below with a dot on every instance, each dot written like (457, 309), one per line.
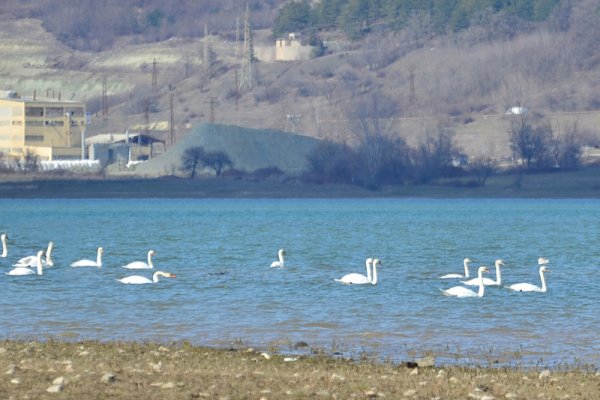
(54, 112)
(34, 138)
(34, 111)
(34, 123)
(75, 111)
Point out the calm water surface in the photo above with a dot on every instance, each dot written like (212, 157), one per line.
(225, 291)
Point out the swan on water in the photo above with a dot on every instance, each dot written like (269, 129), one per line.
(528, 287)
(358, 279)
(466, 262)
(90, 263)
(280, 263)
(141, 264)
(31, 261)
(459, 291)
(18, 271)
(3, 238)
(140, 280)
(488, 281)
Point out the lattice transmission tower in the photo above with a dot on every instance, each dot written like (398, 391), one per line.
(246, 80)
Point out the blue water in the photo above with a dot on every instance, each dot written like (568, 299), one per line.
(404, 316)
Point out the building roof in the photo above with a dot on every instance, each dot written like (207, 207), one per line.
(109, 138)
(11, 95)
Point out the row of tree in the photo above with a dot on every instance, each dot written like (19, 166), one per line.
(379, 157)
(358, 17)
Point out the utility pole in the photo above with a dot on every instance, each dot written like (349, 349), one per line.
(237, 89)
(147, 125)
(205, 48)
(412, 96)
(247, 54)
(171, 121)
(212, 110)
(104, 98)
(154, 74)
(236, 51)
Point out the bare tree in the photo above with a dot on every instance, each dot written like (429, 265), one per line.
(191, 159)
(433, 156)
(483, 168)
(567, 148)
(217, 161)
(530, 143)
(372, 126)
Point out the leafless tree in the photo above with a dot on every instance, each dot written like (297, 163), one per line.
(531, 143)
(217, 161)
(192, 159)
(483, 168)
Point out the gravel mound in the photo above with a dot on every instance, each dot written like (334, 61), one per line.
(249, 149)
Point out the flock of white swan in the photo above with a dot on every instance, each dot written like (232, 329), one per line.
(43, 258)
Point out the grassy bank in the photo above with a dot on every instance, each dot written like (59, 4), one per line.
(181, 371)
(576, 184)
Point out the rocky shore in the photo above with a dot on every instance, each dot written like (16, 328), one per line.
(130, 370)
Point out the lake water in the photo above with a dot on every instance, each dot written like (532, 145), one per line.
(225, 291)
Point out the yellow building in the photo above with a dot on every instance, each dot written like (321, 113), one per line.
(52, 129)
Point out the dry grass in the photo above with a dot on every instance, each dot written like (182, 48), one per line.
(181, 371)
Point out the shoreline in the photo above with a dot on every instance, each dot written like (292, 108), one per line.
(150, 370)
(564, 185)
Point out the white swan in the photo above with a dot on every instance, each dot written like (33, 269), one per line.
(280, 263)
(141, 264)
(528, 287)
(140, 280)
(459, 291)
(90, 263)
(3, 238)
(358, 279)
(18, 271)
(466, 262)
(31, 261)
(488, 281)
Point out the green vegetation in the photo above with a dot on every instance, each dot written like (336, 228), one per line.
(359, 17)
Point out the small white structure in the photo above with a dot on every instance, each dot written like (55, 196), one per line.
(516, 111)
(291, 49)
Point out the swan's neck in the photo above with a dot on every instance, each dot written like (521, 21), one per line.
(543, 280)
(150, 260)
(49, 253)
(368, 264)
(4, 249)
(498, 275)
(39, 264)
(466, 265)
(280, 255)
(156, 275)
(374, 281)
(99, 258)
(481, 285)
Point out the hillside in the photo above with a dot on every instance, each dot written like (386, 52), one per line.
(461, 83)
